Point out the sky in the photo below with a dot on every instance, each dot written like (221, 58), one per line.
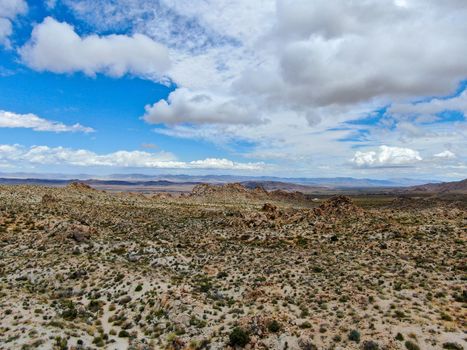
(296, 88)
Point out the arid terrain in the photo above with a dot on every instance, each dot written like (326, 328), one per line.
(230, 267)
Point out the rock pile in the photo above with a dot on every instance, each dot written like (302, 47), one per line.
(79, 186)
(77, 232)
(338, 206)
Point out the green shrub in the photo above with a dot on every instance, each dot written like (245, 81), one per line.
(61, 343)
(411, 345)
(446, 317)
(452, 346)
(123, 334)
(354, 335)
(70, 313)
(273, 326)
(222, 274)
(239, 337)
(98, 341)
(370, 345)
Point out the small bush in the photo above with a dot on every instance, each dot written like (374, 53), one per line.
(70, 313)
(337, 338)
(123, 334)
(239, 337)
(399, 337)
(354, 335)
(411, 345)
(139, 288)
(452, 346)
(98, 341)
(370, 345)
(222, 274)
(446, 317)
(61, 343)
(274, 326)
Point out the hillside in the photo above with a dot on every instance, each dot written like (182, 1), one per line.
(442, 188)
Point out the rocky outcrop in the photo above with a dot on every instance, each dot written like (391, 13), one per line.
(338, 206)
(231, 190)
(79, 186)
(236, 191)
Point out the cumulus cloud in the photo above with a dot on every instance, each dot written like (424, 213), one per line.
(386, 156)
(55, 46)
(9, 9)
(307, 67)
(305, 56)
(376, 48)
(44, 155)
(184, 105)
(32, 121)
(445, 155)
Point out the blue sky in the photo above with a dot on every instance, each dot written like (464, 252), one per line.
(287, 88)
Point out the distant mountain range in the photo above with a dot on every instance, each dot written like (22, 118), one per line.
(157, 180)
(444, 187)
(185, 183)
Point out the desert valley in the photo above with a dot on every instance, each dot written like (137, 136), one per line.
(226, 266)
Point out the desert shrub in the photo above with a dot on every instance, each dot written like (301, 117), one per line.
(461, 297)
(370, 345)
(452, 346)
(69, 312)
(273, 326)
(354, 335)
(222, 274)
(239, 337)
(98, 341)
(94, 306)
(337, 338)
(123, 334)
(399, 337)
(61, 343)
(409, 345)
(399, 314)
(446, 317)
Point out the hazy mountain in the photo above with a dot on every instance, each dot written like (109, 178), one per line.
(337, 182)
(441, 188)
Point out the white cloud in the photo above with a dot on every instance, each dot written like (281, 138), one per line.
(387, 156)
(426, 111)
(301, 56)
(226, 164)
(55, 46)
(5, 31)
(32, 121)
(184, 105)
(305, 67)
(9, 9)
(44, 155)
(12, 8)
(445, 155)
